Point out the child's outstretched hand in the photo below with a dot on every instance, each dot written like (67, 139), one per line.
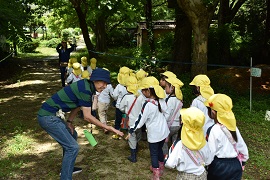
(127, 137)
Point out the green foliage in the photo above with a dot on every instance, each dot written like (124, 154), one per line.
(121, 37)
(77, 31)
(28, 47)
(66, 33)
(13, 15)
(51, 43)
(164, 46)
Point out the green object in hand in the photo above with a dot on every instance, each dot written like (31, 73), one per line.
(90, 137)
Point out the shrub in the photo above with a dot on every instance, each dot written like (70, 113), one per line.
(66, 33)
(28, 47)
(77, 31)
(51, 43)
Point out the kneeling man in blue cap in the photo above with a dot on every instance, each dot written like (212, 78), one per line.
(71, 99)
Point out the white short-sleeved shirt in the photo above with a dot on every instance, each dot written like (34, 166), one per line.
(221, 147)
(155, 121)
(172, 105)
(118, 94)
(105, 95)
(198, 102)
(88, 69)
(125, 106)
(179, 159)
(73, 78)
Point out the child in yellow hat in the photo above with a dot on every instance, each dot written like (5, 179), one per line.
(152, 116)
(104, 99)
(93, 63)
(70, 64)
(85, 65)
(127, 106)
(164, 76)
(118, 93)
(174, 103)
(76, 73)
(225, 140)
(191, 153)
(140, 75)
(202, 89)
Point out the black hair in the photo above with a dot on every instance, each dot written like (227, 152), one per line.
(153, 93)
(233, 133)
(195, 90)
(163, 77)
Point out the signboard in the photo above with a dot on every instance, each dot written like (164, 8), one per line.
(256, 72)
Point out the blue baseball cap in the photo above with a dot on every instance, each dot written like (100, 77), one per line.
(100, 74)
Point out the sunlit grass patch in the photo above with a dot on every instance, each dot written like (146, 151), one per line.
(40, 52)
(17, 145)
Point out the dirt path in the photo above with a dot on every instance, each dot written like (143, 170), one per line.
(19, 103)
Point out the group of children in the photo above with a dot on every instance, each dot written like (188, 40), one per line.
(205, 141)
(76, 71)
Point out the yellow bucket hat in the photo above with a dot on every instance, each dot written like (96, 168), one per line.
(152, 82)
(192, 135)
(93, 64)
(132, 84)
(203, 82)
(84, 61)
(168, 74)
(123, 74)
(71, 61)
(85, 75)
(77, 68)
(141, 74)
(223, 105)
(177, 85)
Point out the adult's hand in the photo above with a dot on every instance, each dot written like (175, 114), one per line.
(115, 131)
(71, 127)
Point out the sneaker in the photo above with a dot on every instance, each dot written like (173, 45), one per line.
(76, 170)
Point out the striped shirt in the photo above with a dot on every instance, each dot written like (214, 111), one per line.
(75, 95)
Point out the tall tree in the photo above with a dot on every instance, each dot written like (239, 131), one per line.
(200, 16)
(182, 39)
(266, 44)
(13, 15)
(150, 26)
(81, 8)
(227, 12)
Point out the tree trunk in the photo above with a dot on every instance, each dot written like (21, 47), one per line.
(266, 47)
(224, 40)
(200, 33)
(150, 26)
(200, 17)
(85, 32)
(182, 42)
(100, 32)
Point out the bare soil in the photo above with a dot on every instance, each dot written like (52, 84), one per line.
(25, 86)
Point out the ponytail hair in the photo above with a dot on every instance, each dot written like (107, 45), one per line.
(153, 93)
(233, 133)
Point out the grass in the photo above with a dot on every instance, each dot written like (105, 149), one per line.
(40, 52)
(19, 134)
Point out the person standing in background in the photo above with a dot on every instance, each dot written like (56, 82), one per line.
(64, 56)
(74, 42)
